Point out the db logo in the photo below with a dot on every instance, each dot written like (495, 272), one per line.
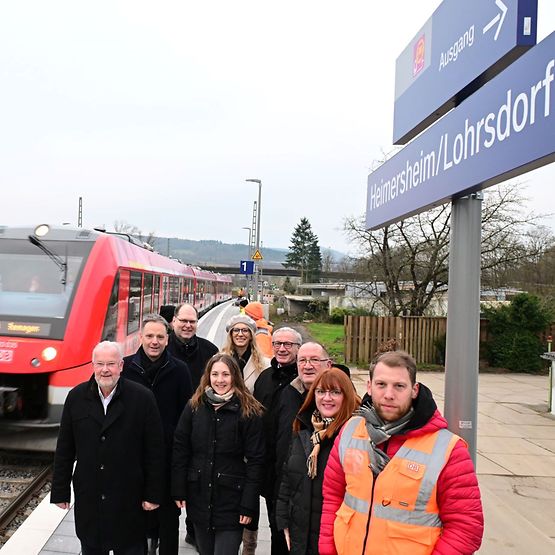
(419, 55)
(415, 467)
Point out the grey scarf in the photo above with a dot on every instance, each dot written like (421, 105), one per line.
(378, 432)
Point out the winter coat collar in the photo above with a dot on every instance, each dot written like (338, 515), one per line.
(288, 371)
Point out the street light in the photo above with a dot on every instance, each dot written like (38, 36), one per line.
(257, 232)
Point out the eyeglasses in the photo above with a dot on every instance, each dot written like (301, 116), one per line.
(334, 393)
(313, 361)
(240, 331)
(109, 365)
(186, 321)
(286, 344)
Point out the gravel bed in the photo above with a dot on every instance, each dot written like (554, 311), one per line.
(6, 533)
(16, 470)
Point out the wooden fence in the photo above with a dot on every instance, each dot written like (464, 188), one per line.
(415, 334)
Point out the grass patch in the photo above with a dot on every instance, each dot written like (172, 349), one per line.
(332, 336)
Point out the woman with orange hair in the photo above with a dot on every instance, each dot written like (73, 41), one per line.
(330, 402)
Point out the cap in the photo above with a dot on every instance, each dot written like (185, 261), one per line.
(241, 319)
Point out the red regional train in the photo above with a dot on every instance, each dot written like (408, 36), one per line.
(62, 290)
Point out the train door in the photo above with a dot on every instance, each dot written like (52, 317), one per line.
(148, 297)
(156, 295)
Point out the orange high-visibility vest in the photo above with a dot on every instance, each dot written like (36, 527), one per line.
(264, 337)
(398, 513)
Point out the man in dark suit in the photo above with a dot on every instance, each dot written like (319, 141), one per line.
(112, 428)
(168, 378)
(185, 345)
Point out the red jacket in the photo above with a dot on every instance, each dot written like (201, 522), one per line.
(458, 495)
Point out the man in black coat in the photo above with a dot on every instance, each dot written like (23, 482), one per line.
(185, 345)
(268, 390)
(112, 428)
(169, 380)
(312, 358)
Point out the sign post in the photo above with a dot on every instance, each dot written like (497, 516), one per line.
(463, 320)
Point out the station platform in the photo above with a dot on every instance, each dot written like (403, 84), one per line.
(515, 466)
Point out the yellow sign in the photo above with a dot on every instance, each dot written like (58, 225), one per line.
(257, 255)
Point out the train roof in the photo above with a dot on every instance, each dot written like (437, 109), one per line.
(55, 233)
(123, 243)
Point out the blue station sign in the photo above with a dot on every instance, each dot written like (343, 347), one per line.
(503, 130)
(462, 46)
(246, 267)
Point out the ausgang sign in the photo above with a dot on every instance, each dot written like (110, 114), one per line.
(463, 45)
(504, 129)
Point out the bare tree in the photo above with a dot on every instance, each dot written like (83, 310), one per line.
(409, 259)
(121, 226)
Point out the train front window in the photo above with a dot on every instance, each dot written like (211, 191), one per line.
(31, 283)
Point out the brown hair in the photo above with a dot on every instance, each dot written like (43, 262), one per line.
(249, 405)
(332, 378)
(396, 358)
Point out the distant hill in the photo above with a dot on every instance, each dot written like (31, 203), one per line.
(210, 253)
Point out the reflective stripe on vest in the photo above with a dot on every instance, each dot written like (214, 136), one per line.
(434, 463)
(358, 505)
(347, 439)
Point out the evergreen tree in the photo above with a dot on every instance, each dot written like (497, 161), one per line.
(304, 253)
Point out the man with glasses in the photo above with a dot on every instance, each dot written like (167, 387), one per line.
(312, 358)
(168, 378)
(185, 345)
(268, 390)
(111, 427)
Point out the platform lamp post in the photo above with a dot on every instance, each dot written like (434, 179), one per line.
(256, 294)
(249, 254)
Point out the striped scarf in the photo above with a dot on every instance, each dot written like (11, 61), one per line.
(319, 424)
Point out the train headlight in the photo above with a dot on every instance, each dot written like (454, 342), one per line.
(41, 230)
(49, 354)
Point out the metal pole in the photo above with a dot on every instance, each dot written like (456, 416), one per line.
(463, 320)
(249, 254)
(256, 293)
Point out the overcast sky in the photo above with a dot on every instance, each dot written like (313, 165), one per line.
(156, 112)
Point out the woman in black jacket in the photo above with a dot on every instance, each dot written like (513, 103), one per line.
(330, 402)
(218, 458)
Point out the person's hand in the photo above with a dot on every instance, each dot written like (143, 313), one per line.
(180, 504)
(147, 506)
(287, 538)
(64, 506)
(245, 519)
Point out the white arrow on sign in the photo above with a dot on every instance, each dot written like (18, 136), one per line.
(499, 17)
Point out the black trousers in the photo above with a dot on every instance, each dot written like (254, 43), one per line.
(278, 543)
(137, 549)
(163, 523)
(214, 542)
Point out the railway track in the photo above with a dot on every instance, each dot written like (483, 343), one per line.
(22, 477)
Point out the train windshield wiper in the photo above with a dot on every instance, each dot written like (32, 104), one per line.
(58, 260)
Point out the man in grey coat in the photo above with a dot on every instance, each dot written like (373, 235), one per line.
(111, 427)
